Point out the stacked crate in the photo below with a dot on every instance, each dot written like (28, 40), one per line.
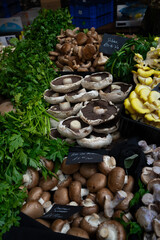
(91, 13)
(9, 7)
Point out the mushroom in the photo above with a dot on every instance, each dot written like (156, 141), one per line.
(102, 59)
(90, 223)
(74, 128)
(116, 92)
(108, 127)
(109, 205)
(78, 232)
(156, 226)
(49, 183)
(6, 107)
(72, 33)
(107, 164)
(61, 226)
(54, 134)
(67, 83)
(69, 168)
(64, 109)
(81, 38)
(88, 169)
(100, 196)
(63, 180)
(154, 186)
(44, 222)
(97, 81)
(96, 182)
(78, 177)
(31, 178)
(47, 163)
(88, 51)
(116, 179)
(98, 111)
(33, 209)
(75, 191)
(124, 205)
(111, 230)
(147, 174)
(145, 217)
(95, 141)
(76, 222)
(45, 197)
(81, 95)
(89, 207)
(61, 196)
(34, 194)
(147, 199)
(128, 187)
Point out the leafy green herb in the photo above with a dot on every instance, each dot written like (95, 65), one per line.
(129, 161)
(138, 195)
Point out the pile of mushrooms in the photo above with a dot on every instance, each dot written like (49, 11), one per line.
(103, 190)
(86, 108)
(148, 216)
(78, 51)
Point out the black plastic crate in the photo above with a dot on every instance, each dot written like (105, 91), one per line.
(9, 7)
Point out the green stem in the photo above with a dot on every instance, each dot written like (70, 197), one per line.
(51, 116)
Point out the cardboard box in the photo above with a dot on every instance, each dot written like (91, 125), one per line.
(12, 24)
(51, 4)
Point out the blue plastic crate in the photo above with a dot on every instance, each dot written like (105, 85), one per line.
(93, 22)
(8, 10)
(91, 11)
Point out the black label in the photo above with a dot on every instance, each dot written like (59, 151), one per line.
(85, 155)
(111, 43)
(61, 211)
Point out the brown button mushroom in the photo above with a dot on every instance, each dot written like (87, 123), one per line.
(44, 222)
(90, 223)
(75, 191)
(96, 182)
(89, 207)
(31, 178)
(88, 169)
(35, 193)
(61, 226)
(124, 205)
(70, 168)
(107, 164)
(61, 196)
(49, 183)
(100, 196)
(111, 230)
(45, 197)
(78, 177)
(78, 232)
(47, 163)
(5, 107)
(81, 38)
(128, 187)
(33, 209)
(116, 179)
(76, 222)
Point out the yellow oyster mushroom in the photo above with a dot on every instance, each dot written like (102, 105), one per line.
(144, 93)
(132, 95)
(146, 81)
(142, 66)
(157, 73)
(138, 106)
(152, 117)
(154, 97)
(156, 38)
(150, 106)
(128, 107)
(139, 87)
(145, 74)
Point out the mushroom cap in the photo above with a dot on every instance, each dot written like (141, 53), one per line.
(116, 178)
(116, 92)
(69, 168)
(124, 205)
(53, 98)
(65, 130)
(47, 163)
(156, 226)
(88, 169)
(78, 232)
(108, 127)
(151, 184)
(35, 193)
(107, 164)
(78, 177)
(33, 178)
(33, 209)
(95, 142)
(54, 134)
(81, 96)
(44, 222)
(115, 231)
(88, 51)
(49, 183)
(81, 38)
(46, 196)
(58, 113)
(58, 86)
(128, 187)
(57, 225)
(66, 182)
(96, 182)
(147, 175)
(89, 207)
(88, 115)
(100, 196)
(89, 225)
(61, 196)
(5, 107)
(88, 81)
(75, 191)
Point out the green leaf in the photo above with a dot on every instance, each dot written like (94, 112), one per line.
(23, 157)
(16, 141)
(129, 161)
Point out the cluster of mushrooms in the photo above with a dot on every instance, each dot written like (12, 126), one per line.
(78, 51)
(148, 215)
(102, 189)
(86, 108)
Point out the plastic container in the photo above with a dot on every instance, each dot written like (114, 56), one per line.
(91, 10)
(93, 22)
(9, 8)
(131, 128)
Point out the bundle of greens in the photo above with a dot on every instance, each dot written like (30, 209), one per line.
(121, 62)
(25, 74)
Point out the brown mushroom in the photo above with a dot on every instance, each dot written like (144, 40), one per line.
(124, 205)
(47, 163)
(89, 207)
(5, 107)
(107, 164)
(61, 196)
(44, 222)
(76, 222)
(31, 178)
(88, 51)
(96, 182)
(116, 179)
(49, 183)
(69, 168)
(128, 187)
(33, 209)
(45, 197)
(100, 196)
(90, 223)
(61, 226)
(75, 191)
(35, 193)
(81, 38)
(88, 169)
(78, 177)
(78, 232)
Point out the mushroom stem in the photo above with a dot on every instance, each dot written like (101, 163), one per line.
(47, 206)
(99, 110)
(104, 232)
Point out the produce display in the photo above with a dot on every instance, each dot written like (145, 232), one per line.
(43, 113)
